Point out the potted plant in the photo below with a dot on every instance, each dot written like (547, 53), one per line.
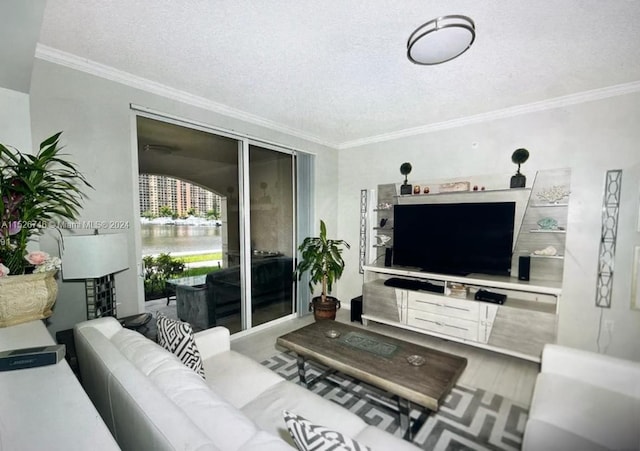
(37, 190)
(322, 258)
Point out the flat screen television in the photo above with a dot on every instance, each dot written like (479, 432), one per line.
(455, 239)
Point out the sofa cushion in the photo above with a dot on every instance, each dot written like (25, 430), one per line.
(309, 436)
(604, 417)
(263, 441)
(227, 427)
(177, 337)
(542, 436)
(227, 371)
(288, 396)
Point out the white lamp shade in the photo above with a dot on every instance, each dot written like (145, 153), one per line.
(94, 256)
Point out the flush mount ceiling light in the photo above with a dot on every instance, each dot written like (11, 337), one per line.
(441, 40)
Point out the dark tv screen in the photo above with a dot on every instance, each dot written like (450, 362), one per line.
(455, 238)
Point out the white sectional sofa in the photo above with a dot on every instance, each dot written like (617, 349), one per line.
(150, 400)
(584, 401)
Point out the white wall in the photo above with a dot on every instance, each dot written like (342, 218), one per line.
(589, 138)
(97, 125)
(15, 120)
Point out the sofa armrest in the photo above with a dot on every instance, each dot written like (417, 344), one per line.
(611, 373)
(213, 341)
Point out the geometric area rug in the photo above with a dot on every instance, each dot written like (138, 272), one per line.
(469, 419)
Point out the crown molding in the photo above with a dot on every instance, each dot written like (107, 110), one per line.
(100, 70)
(549, 104)
(72, 61)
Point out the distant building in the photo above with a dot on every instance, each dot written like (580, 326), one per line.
(157, 191)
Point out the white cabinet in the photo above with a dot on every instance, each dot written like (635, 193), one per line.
(519, 327)
(460, 318)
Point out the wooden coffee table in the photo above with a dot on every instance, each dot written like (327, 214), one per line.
(380, 361)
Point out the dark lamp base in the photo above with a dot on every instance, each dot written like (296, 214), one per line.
(518, 181)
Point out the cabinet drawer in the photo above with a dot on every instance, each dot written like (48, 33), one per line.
(443, 324)
(442, 305)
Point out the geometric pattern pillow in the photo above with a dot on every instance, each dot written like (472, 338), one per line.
(177, 337)
(310, 437)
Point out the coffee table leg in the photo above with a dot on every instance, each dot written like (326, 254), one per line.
(404, 407)
(301, 373)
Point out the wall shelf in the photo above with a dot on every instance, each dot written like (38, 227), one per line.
(549, 205)
(468, 192)
(548, 231)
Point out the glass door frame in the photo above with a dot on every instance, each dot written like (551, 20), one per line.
(244, 142)
(245, 224)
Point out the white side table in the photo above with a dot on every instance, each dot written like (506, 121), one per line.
(46, 407)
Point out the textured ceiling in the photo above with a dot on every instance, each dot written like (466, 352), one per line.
(336, 70)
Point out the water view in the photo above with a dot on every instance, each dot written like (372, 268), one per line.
(180, 239)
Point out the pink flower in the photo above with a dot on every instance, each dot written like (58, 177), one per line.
(14, 227)
(37, 257)
(4, 271)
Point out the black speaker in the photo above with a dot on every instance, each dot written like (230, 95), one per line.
(388, 255)
(356, 309)
(524, 267)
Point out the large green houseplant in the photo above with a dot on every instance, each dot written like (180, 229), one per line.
(36, 193)
(322, 258)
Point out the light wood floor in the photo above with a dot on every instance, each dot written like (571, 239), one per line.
(507, 376)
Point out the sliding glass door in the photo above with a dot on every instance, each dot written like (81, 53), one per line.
(243, 272)
(271, 237)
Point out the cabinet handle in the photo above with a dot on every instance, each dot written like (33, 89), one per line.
(457, 308)
(456, 327)
(430, 303)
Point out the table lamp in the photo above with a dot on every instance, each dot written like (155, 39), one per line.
(95, 259)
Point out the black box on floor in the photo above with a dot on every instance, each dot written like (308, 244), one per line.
(356, 309)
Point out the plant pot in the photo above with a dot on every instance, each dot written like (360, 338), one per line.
(326, 309)
(27, 297)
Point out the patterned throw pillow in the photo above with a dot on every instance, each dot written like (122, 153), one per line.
(310, 437)
(177, 337)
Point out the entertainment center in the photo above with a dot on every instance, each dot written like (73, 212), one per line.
(456, 277)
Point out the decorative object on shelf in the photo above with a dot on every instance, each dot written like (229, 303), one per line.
(441, 40)
(454, 187)
(553, 194)
(37, 190)
(416, 189)
(548, 251)
(322, 258)
(519, 156)
(548, 224)
(457, 290)
(382, 239)
(384, 206)
(383, 222)
(405, 169)
(426, 190)
(95, 259)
